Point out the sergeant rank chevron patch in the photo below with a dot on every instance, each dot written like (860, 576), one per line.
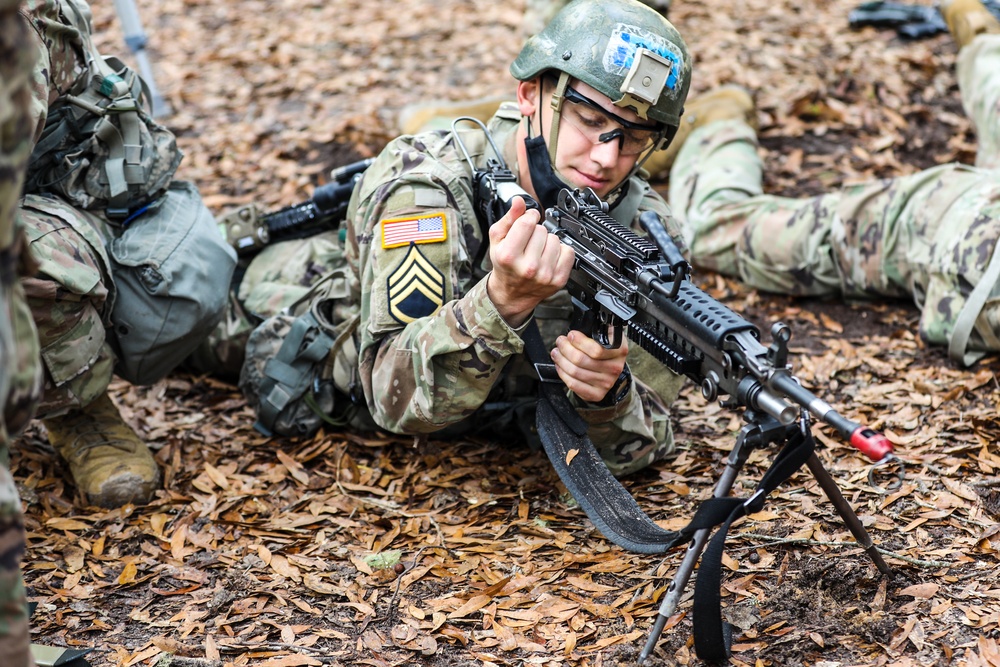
(415, 288)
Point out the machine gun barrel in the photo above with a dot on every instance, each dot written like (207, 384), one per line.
(626, 282)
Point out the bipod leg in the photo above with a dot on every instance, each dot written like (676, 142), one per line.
(737, 458)
(846, 512)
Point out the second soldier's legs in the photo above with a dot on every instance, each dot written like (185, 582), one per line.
(979, 80)
(771, 243)
(68, 297)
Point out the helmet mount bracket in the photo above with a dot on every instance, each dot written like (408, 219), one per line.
(645, 82)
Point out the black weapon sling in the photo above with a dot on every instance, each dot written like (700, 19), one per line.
(614, 511)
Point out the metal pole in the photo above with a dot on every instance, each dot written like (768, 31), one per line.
(135, 38)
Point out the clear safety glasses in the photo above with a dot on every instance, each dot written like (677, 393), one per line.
(601, 126)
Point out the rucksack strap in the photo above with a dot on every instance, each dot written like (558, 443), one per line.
(123, 166)
(970, 317)
(290, 374)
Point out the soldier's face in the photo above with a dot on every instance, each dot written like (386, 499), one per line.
(595, 149)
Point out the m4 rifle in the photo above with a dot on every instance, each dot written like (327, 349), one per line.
(249, 229)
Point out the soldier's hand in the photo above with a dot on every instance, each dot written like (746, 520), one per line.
(529, 263)
(588, 368)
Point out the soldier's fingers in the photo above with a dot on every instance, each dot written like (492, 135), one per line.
(594, 350)
(540, 262)
(521, 251)
(587, 384)
(514, 246)
(586, 353)
(564, 265)
(501, 227)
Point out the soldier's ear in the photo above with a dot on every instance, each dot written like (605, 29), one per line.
(528, 95)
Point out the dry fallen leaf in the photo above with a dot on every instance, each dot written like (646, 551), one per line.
(924, 591)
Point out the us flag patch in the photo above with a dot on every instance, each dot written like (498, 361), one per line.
(430, 228)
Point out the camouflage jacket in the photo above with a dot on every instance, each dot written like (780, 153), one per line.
(433, 349)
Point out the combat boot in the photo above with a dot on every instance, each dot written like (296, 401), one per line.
(108, 461)
(723, 103)
(968, 18)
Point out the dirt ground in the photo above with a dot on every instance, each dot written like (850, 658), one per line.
(369, 549)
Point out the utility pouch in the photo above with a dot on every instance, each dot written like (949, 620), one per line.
(171, 270)
(299, 370)
(100, 150)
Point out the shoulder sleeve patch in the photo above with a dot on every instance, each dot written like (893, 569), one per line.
(428, 228)
(415, 288)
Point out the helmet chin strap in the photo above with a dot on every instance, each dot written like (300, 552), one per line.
(558, 96)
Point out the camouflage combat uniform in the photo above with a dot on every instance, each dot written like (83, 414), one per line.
(78, 242)
(404, 328)
(928, 236)
(20, 370)
(434, 354)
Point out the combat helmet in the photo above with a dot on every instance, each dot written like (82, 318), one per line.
(625, 50)
(622, 48)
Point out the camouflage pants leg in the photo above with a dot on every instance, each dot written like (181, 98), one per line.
(771, 243)
(68, 300)
(14, 637)
(979, 80)
(20, 367)
(879, 239)
(20, 379)
(277, 278)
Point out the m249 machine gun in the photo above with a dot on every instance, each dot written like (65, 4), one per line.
(623, 284)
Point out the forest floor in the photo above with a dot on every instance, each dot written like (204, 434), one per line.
(368, 549)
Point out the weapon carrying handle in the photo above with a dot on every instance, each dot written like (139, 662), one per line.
(650, 221)
(680, 270)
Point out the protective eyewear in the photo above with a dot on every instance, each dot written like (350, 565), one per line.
(601, 126)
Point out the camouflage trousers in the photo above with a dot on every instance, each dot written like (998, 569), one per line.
(20, 380)
(928, 236)
(279, 277)
(68, 298)
(131, 298)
